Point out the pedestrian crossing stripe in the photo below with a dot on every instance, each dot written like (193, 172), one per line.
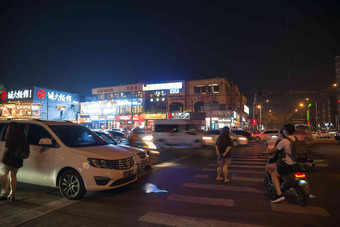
(201, 200)
(222, 187)
(178, 220)
(234, 178)
(251, 163)
(241, 166)
(235, 171)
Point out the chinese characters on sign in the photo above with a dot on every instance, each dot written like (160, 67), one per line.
(20, 94)
(59, 97)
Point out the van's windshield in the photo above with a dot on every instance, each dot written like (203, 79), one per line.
(77, 136)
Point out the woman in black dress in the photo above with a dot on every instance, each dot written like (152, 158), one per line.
(14, 138)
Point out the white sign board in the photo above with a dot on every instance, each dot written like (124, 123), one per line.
(163, 86)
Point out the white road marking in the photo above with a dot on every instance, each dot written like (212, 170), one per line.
(222, 187)
(252, 163)
(203, 176)
(235, 171)
(201, 200)
(241, 166)
(250, 159)
(39, 211)
(290, 208)
(252, 179)
(178, 220)
(173, 161)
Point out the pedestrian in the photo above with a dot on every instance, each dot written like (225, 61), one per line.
(223, 151)
(15, 139)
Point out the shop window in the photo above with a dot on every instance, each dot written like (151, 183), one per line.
(108, 96)
(200, 89)
(214, 88)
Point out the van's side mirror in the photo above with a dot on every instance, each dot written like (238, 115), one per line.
(45, 141)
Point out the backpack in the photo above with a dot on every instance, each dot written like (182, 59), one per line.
(299, 150)
(21, 150)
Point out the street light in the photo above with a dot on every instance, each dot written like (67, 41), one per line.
(259, 106)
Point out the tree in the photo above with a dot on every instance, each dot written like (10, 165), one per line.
(274, 119)
(2, 88)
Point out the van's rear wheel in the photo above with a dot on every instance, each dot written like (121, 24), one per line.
(71, 186)
(257, 139)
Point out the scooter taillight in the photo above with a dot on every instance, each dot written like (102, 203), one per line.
(300, 175)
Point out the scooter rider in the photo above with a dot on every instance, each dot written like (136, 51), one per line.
(286, 166)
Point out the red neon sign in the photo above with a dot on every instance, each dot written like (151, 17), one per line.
(41, 93)
(3, 95)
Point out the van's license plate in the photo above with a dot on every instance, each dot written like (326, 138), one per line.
(128, 173)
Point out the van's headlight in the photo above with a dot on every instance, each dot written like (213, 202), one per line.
(98, 163)
(148, 138)
(243, 138)
(207, 138)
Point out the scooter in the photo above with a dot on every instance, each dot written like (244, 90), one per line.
(295, 181)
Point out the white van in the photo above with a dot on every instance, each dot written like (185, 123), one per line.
(71, 157)
(179, 132)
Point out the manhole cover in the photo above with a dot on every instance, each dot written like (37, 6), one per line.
(252, 204)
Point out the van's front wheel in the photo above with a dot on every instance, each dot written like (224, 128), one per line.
(71, 186)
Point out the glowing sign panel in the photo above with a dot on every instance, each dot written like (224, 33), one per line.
(20, 94)
(163, 86)
(246, 109)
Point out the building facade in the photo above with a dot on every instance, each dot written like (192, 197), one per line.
(194, 99)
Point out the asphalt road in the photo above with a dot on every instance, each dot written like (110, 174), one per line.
(181, 190)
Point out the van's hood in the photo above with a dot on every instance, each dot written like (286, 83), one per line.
(109, 152)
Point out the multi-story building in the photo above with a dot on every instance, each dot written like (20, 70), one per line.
(194, 99)
(220, 99)
(337, 74)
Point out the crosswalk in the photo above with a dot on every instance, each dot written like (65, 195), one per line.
(246, 172)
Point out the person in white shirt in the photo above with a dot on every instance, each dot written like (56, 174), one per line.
(286, 166)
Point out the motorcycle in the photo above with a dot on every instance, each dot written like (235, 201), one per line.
(292, 182)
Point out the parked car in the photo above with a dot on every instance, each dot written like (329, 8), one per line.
(71, 157)
(243, 133)
(180, 132)
(117, 135)
(236, 139)
(323, 134)
(141, 156)
(265, 135)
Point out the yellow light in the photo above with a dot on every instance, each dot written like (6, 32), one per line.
(334, 85)
(301, 104)
(296, 110)
(307, 99)
(267, 100)
(259, 106)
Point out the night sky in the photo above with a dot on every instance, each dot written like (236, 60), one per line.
(74, 46)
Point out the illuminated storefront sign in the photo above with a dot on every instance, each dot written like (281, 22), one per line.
(163, 86)
(18, 94)
(179, 116)
(59, 97)
(128, 117)
(127, 102)
(155, 116)
(134, 87)
(90, 108)
(246, 109)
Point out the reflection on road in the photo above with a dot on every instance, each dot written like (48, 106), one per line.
(151, 188)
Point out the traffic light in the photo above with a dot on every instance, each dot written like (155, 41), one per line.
(254, 122)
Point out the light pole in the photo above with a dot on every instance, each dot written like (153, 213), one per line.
(260, 107)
